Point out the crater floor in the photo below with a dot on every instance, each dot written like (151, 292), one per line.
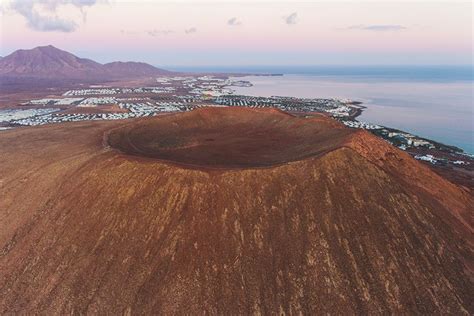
(232, 138)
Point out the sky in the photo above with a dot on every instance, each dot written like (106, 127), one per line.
(246, 32)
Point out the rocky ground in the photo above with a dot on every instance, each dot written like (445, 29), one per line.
(105, 217)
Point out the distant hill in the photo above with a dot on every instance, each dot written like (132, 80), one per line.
(131, 69)
(53, 63)
(48, 61)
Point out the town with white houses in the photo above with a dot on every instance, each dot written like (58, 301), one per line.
(185, 93)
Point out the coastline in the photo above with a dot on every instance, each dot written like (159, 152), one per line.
(119, 101)
(450, 161)
(421, 108)
(357, 109)
(360, 109)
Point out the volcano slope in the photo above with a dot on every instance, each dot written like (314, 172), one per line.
(227, 211)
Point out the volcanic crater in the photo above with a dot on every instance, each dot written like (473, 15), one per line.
(225, 138)
(352, 226)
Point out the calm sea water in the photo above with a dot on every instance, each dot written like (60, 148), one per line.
(432, 102)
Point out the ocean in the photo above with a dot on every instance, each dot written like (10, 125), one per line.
(434, 102)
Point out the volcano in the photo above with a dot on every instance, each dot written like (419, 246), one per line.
(49, 62)
(227, 211)
(223, 139)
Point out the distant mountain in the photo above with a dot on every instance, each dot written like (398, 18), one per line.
(47, 61)
(52, 63)
(131, 69)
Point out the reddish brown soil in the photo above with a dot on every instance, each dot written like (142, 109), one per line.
(355, 227)
(229, 139)
(16, 99)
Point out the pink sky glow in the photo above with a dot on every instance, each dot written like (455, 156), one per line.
(243, 32)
